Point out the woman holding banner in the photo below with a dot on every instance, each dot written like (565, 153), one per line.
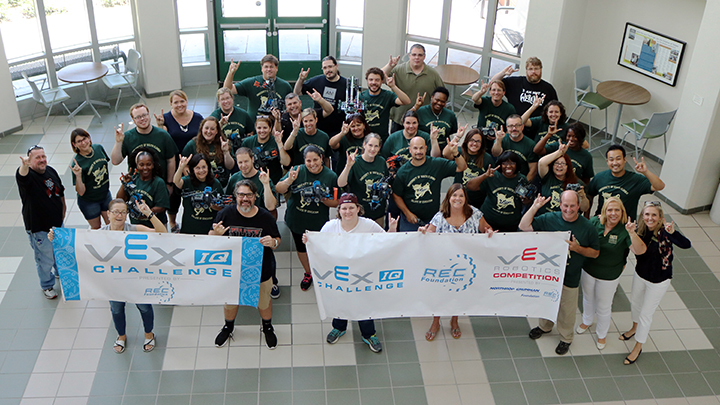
(350, 221)
(118, 214)
(456, 215)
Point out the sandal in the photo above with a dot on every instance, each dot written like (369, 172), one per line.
(627, 360)
(121, 344)
(456, 333)
(149, 344)
(430, 335)
(624, 337)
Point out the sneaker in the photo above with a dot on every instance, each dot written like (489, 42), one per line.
(270, 338)
(222, 337)
(536, 332)
(374, 343)
(50, 293)
(562, 348)
(306, 282)
(275, 292)
(334, 335)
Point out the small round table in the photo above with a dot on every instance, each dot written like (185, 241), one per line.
(84, 72)
(622, 93)
(456, 75)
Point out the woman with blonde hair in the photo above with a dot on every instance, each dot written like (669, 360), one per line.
(600, 276)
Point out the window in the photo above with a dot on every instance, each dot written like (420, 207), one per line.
(349, 15)
(193, 25)
(67, 26)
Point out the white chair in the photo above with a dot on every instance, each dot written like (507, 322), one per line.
(586, 98)
(467, 95)
(656, 126)
(126, 79)
(48, 98)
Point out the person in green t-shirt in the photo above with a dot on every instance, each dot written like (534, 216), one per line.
(149, 186)
(213, 144)
(492, 111)
(398, 143)
(91, 179)
(235, 122)
(473, 150)
(301, 138)
(269, 151)
(307, 210)
(581, 159)
(600, 276)
(416, 189)
(263, 91)
(349, 139)
(516, 142)
(435, 115)
(379, 101)
(550, 127)
(197, 218)
(362, 173)
(555, 177)
(266, 197)
(583, 244)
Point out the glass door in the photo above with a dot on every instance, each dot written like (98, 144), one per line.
(296, 31)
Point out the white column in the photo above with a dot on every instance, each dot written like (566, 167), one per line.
(9, 114)
(158, 38)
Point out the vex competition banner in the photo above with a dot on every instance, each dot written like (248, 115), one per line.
(363, 275)
(154, 268)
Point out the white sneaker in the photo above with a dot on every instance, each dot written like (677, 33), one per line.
(50, 293)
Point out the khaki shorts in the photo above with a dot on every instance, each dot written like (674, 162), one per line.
(265, 288)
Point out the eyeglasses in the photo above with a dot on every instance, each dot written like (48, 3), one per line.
(246, 195)
(32, 148)
(475, 141)
(514, 125)
(652, 204)
(118, 212)
(141, 116)
(562, 163)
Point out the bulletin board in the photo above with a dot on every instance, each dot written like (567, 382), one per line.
(650, 53)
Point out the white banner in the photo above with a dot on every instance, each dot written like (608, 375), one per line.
(363, 275)
(158, 268)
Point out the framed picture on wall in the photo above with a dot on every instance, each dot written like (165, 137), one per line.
(651, 53)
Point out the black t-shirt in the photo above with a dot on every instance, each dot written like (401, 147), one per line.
(42, 199)
(521, 94)
(334, 93)
(260, 225)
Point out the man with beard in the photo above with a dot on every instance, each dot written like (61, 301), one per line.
(521, 91)
(378, 101)
(248, 220)
(331, 87)
(518, 143)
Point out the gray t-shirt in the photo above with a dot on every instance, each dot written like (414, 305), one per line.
(126, 227)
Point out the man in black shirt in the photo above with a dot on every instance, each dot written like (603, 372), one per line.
(43, 207)
(248, 220)
(331, 86)
(521, 91)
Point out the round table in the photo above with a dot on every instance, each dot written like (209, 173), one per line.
(456, 75)
(84, 72)
(622, 93)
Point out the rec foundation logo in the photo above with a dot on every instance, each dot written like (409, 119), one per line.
(164, 291)
(457, 276)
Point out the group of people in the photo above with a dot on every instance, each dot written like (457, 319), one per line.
(390, 160)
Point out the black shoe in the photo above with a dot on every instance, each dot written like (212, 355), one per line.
(275, 292)
(562, 348)
(536, 332)
(306, 282)
(627, 360)
(223, 336)
(270, 338)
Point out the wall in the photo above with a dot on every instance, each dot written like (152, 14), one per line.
(379, 42)
(158, 45)
(9, 114)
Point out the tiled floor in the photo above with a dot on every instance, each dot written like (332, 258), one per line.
(52, 352)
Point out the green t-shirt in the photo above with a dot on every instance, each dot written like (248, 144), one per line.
(352, 145)
(94, 174)
(259, 196)
(360, 180)
(217, 165)
(628, 187)
(584, 234)
(239, 125)
(614, 249)
(302, 140)
(155, 194)
(476, 197)
(197, 220)
(158, 140)
(397, 144)
(502, 207)
(269, 152)
(446, 122)
(490, 116)
(524, 150)
(551, 187)
(253, 89)
(581, 160)
(304, 214)
(377, 111)
(541, 129)
(419, 186)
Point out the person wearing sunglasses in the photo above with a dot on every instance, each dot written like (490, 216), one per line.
(43, 207)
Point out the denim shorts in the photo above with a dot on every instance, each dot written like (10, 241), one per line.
(92, 210)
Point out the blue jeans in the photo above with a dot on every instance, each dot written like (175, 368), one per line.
(118, 313)
(367, 326)
(44, 258)
(405, 226)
